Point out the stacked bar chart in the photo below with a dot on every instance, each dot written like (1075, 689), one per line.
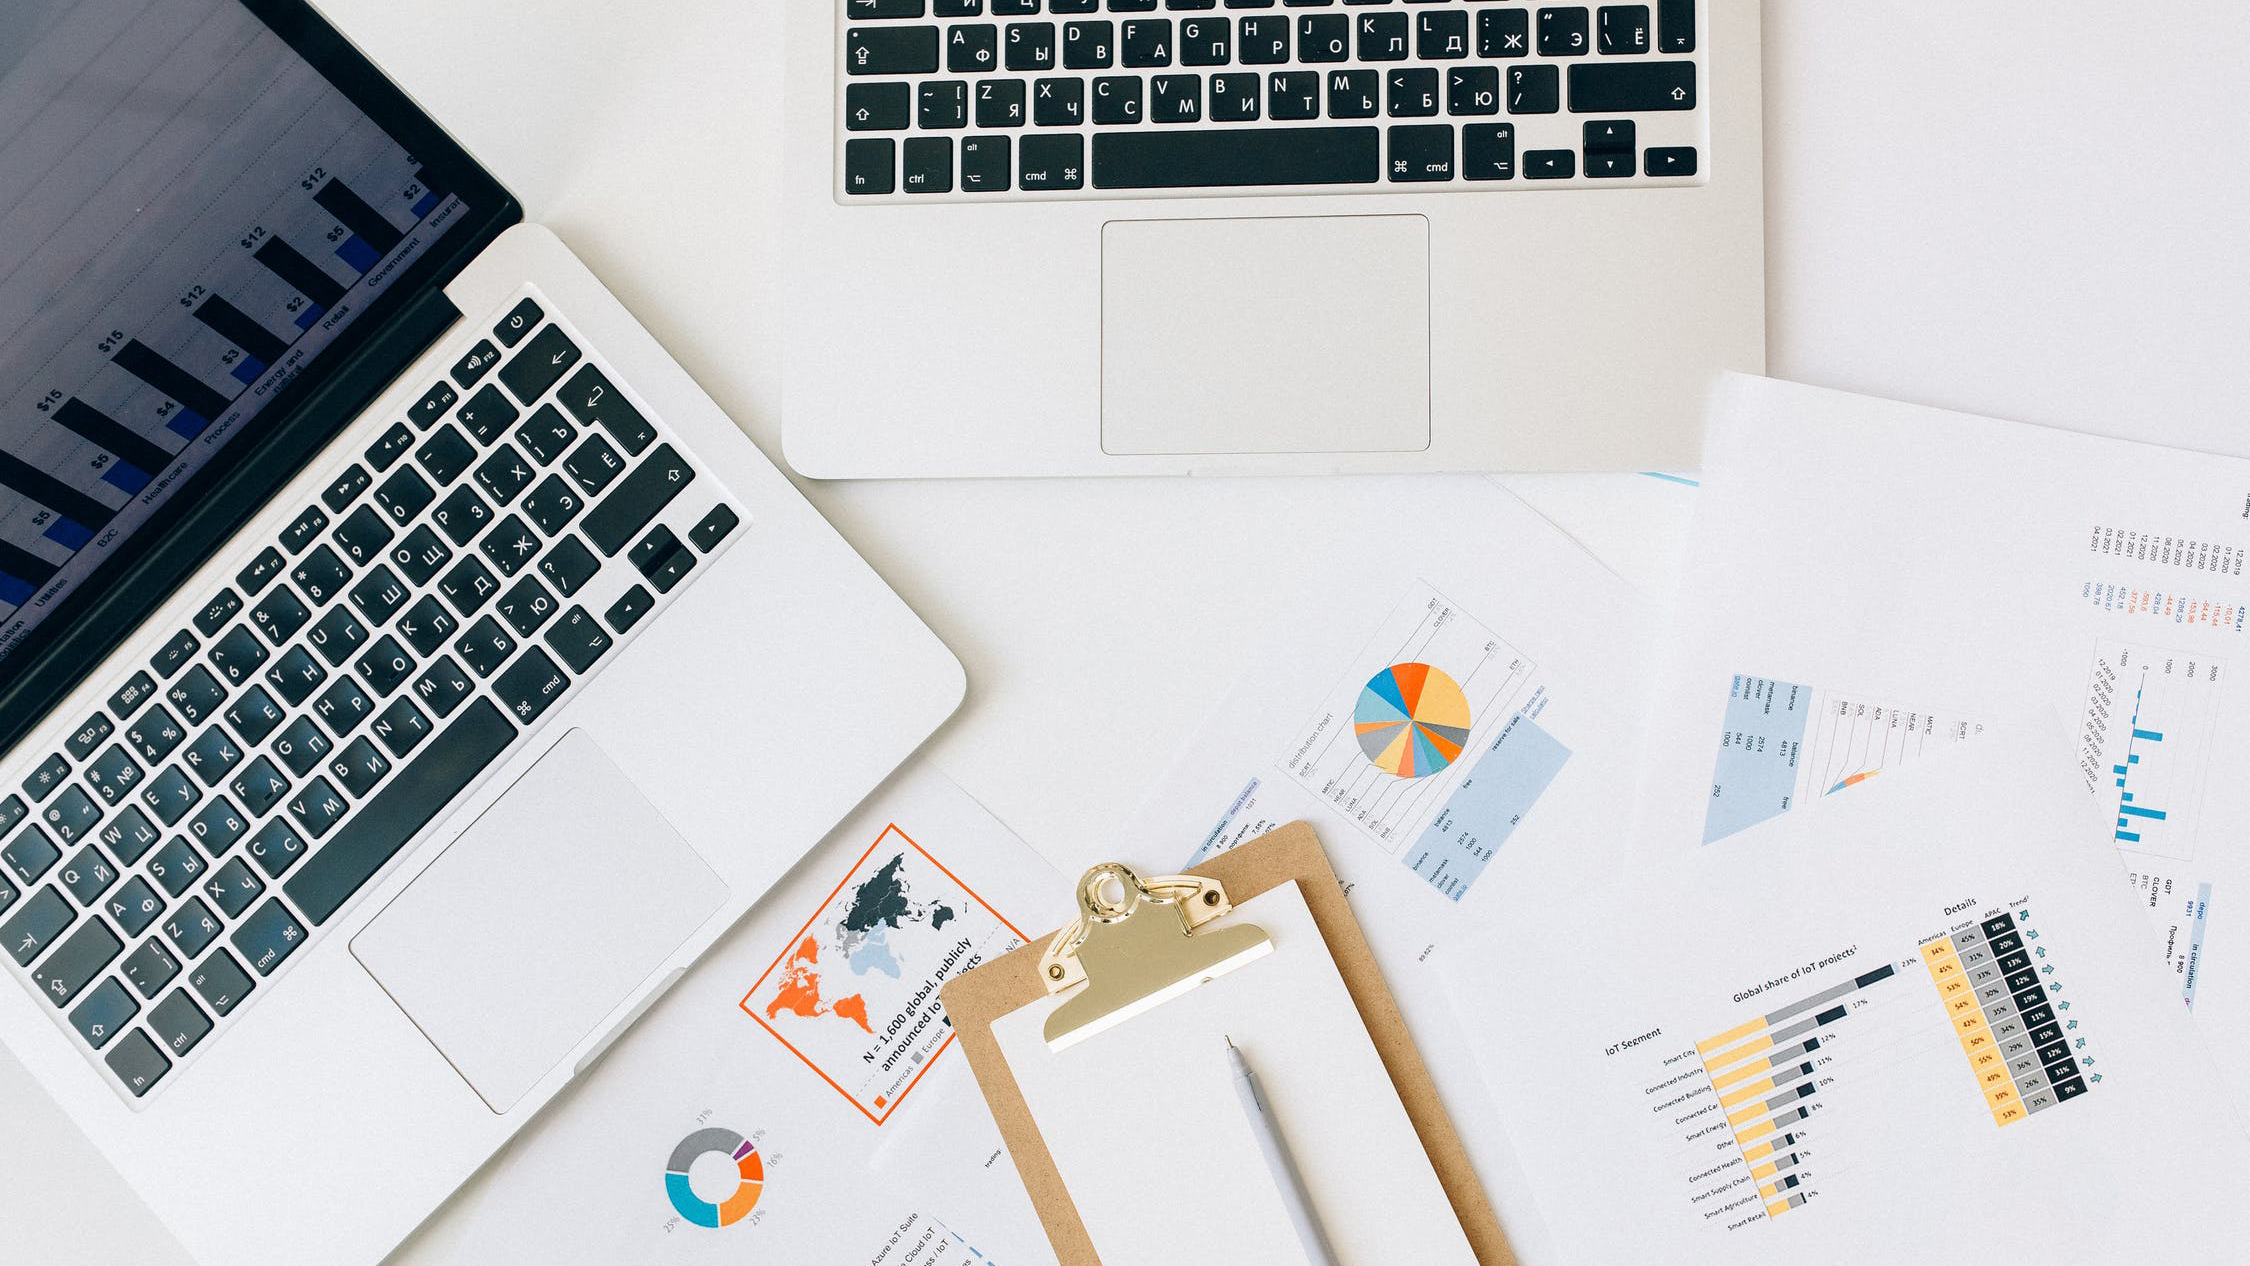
(197, 216)
(1998, 995)
(1766, 1072)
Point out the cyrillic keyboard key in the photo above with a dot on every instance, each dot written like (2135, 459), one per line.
(1675, 26)
(88, 875)
(129, 835)
(1626, 87)
(113, 775)
(1236, 157)
(418, 792)
(268, 937)
(192, 927)
(641, 494)
(233, 887)
(134, 906)
(401, 726)
(217, 826)
(175, 866)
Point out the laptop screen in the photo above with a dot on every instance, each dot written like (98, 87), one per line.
(191, 213)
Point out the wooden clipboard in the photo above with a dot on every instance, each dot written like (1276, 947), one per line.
(1011, 982)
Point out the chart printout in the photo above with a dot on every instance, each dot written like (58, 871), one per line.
(190, 213)
(1917, 1025)
(1854, 557)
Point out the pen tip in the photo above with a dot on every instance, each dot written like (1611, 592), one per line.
(1229, 1040)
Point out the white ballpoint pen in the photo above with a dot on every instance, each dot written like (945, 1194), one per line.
(1278, 1160)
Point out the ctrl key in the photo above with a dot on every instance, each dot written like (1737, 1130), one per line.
(137, 1062)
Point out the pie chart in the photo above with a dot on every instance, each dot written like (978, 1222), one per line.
(1412, 720)
(751, 1173)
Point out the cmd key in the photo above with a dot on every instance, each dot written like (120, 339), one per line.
(891, 50)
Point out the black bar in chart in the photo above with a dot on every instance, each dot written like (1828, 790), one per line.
(39, 486)
(21, 574)
(231, 323)
(372, 236)
(304, 276)
(106, 433)
(198, 398)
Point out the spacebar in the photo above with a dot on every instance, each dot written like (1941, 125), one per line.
(1205, 158)
(416, 794)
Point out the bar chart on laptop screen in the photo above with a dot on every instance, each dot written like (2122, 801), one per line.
(190, 213)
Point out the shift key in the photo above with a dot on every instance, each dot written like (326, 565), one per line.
(636, 499)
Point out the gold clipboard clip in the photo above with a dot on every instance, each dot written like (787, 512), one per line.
(1128, 955)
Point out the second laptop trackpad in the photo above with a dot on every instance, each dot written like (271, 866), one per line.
(1295, 334)
(539, 920)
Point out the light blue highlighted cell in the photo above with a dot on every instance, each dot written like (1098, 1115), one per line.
(2197, 925)
(1756, 775)
(1484, 810)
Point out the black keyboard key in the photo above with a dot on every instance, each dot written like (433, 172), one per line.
(402, 726)
(391, 446)
(12, 811)
(253, 578)
(431, 407)
(104, 1013)
(268, 937)
(113, 775)
(304, 530)
(238, 655)
(137, 690)
(892, 50)
(505, 474)
(1562, 32)
(526, 606)
(1175, 99)
(88, 875)
(521, 319)
(150, 968)
(363, 534)
(486, 646)
(1382, 37)
(971, 50)
(987, 164)
(216, 826)
(475, 364)
(1422, 152)
(295, 675)
(135, 906)
(1675, 26)
(1030, 46)
(1117, 99)
(652, 549)
(1629, 87)
(318, 807)
(1206, 41)
(929, 164)
(418, 792)
(511, 545)
(301, 745)
(1550, 164)
(870, 165)
(178, 1024)
(426, 625)
(1000, 103)
(569, 565)
(275, 848)
(220, 981)
(35, 925)
(420, 556)
(592, 399)
(539, 363)
(337, 636)
(1293, 95)
(8, 894)
(593, 465)
(136, 1063)
(447, 453)
(1089, 45)
(546, 434)
(652, 485)
(404, 495)
(155, 734)
(129, 835)
(217, 612)
(529, 686)
(579, 639)
(1236, 98)
(714, 527)
(862, 9)
(1621, 30)
(77, 962)
(385, 666)
(1229, 157)
(1534, 89)
(1441, 35)
(445, 686)
(260, 786)
(29, 855)
(1472, 90)
(210, 757)
(1669, 160)
(343, 706)
(486, 415)
(877, 107)
(1146, 43)
(71, 815)
(1055, 103)
(1503, 33)
(175, 866)
(174, 654)
(359, 767)
(346, 487)
(253, 716)
(379, 595)
(469, 585)
(1610, 164)
(627, 611)
(1056, 161)
(280, 614)
(321, 575)
(233, 887)
(170, 794)
(47, 777)
(1411, 94)
(941, 104)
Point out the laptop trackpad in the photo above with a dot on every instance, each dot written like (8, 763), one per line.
(1306, 334)
(535, 924)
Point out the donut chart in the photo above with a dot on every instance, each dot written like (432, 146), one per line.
(1412, 720)
(734, 1208)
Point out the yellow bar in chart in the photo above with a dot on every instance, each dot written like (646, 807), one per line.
(1738, 1032)
(1761, 1128)
(1747, 1071)
(1751, 1091)
(1761, 1150)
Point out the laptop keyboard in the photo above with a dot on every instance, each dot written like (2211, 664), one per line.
(990, 99)
(486, 553)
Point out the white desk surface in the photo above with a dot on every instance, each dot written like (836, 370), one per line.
(634, 135)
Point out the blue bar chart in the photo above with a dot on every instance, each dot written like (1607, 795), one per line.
(2145, 742)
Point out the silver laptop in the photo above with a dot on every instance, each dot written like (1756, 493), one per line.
(1066, 237)
(408, 671)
